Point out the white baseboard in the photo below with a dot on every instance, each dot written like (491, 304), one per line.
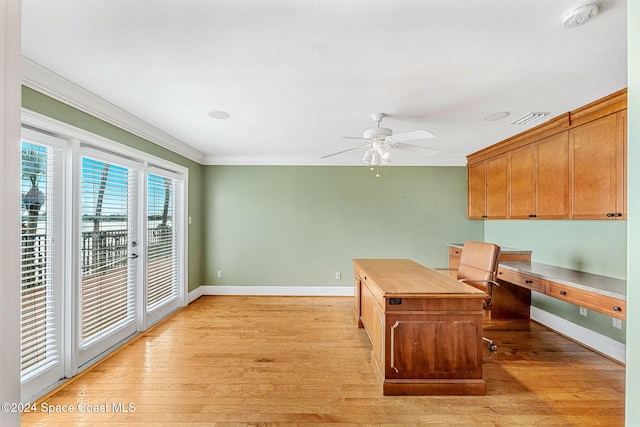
(325, 291)
(194, 294)
(598, 342)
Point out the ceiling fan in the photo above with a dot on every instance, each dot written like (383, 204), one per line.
(380, 140)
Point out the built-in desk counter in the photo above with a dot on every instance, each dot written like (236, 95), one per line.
(599, 293)
(519, 276)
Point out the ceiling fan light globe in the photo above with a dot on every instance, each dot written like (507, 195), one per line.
(375, 159)
(384, 154)
(366, 159)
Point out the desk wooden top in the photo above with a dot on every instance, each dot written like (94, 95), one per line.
(405, 277)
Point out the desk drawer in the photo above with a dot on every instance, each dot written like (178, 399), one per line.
(601, 303)
(522, 280)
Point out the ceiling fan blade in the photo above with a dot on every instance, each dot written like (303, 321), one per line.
(345, 151)
(415, 148)
(350, 137)
(409, 136)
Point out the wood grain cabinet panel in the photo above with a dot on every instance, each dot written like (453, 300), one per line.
(477, 191)
(497, 190)
(598, 165)
(522, 177)
(539, 179)
(487, 191)
(435, 360)
(552, 173)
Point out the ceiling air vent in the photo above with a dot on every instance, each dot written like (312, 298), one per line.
(529, 118)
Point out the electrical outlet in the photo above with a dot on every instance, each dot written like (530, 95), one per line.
(219, 273)
(617, 323)
(583, 311)
(338, 275)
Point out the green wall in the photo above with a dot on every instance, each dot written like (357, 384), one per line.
(298, 226)
(39, 103)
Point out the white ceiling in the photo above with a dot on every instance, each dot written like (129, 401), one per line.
(293, 74)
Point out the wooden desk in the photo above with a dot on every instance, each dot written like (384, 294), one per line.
(425, 328)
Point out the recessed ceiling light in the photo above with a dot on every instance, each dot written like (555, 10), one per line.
(219, 114)
(496, 116)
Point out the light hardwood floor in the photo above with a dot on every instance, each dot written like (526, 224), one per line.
(257, 361)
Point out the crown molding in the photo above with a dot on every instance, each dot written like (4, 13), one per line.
(317, 161)
(45, 81)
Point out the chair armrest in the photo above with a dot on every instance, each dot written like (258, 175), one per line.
(480, 281)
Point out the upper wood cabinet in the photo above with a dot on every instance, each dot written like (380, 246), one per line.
(487, 195)
(477, 191)
(539, 179)
(522, 179)
(497, 187)
(598, 163)
(572, 167)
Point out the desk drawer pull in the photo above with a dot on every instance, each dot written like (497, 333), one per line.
(528, 281)
(563, 292)
(616, 308)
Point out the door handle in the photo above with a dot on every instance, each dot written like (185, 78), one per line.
(134, 256)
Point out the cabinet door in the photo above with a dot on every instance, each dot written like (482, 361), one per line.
(497, 182)
(476, 191)
(553, 177)
(522, 177)
(594, 152)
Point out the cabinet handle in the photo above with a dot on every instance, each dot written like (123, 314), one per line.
(614, 214)
(484, 216)
(533, 216)
(610, 215)
(528, 281)
(563, 292)
(616, 308)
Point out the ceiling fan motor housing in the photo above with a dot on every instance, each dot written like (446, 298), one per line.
(377, 134)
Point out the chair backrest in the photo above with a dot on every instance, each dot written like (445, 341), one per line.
(479, 261)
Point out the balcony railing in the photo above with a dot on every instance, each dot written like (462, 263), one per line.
(102, 251)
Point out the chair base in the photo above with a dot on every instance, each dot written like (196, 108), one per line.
(492, 346)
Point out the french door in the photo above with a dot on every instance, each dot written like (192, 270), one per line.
(109, 252)
(163, 258)
(103, 251)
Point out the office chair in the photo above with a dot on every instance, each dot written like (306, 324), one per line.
(478, 268)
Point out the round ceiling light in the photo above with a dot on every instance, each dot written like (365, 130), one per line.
(496, 116)
(219, 114)
(579, 14)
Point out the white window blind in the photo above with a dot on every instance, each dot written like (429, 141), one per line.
(162, 260)
(40, 200)
(107, 289)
